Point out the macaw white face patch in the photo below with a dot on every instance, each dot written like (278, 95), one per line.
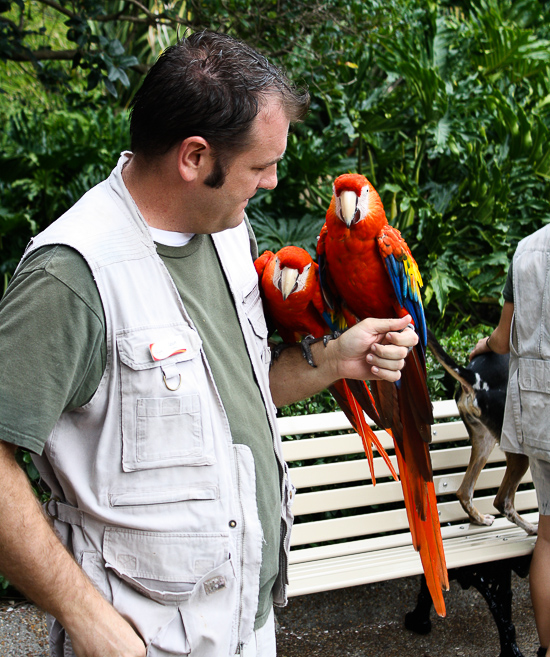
(289, 280)
(350, 208)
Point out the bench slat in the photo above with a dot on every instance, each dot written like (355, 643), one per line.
(308, 476)
(302, 555)
(340, 445)
(387, 492)
(304, 533)
(337, 421)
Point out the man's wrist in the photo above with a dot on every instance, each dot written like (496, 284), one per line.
(324, 358)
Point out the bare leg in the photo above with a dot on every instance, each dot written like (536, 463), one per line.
(539, 582)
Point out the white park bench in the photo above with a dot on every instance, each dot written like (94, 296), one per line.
(348, 532)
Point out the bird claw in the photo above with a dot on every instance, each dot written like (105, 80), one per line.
(276, 351)
(309, 340)
(306, 343)
(331, 336)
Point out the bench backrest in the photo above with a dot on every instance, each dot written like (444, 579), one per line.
(336, 502)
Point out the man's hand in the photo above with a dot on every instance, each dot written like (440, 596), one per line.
(374, 349)
(499, 340)
(109, 635)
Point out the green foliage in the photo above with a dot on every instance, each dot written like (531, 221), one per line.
(445, 108)
(47, 162)
(323, 402)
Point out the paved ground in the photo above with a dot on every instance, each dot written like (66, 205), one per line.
(364, 621)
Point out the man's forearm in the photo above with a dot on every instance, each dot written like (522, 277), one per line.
(35, 561)
(499, 340)
(372, 349)
(292, 379)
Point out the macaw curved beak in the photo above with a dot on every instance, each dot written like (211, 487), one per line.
(348, 204)
(289, 277)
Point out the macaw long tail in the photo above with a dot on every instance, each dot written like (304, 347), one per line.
(347, 402)
(415, 470)
(363, 395)
(414, 382)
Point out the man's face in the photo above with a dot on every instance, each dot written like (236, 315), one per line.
(255, 168)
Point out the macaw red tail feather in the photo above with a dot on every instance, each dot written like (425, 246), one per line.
(413, 378)
(385, 397)
(415, 470)
(347, 402)
(363, 395)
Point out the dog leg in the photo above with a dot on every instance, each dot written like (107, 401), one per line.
(483, 443)
(516, 467)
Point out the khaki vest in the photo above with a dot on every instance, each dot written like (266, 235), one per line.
(527, 413)
(152, 496)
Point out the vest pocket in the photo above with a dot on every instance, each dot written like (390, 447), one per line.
(164, 398)
(534, 400)
(179, 589)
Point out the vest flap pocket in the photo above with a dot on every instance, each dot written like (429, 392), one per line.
(160, 345)
(534, 375)
(164, 565)
(164, 398)
(534, 391)
(170, 495)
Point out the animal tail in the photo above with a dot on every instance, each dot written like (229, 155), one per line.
(465, 377)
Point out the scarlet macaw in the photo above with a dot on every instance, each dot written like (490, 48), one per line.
(367, 270)
(293, 304)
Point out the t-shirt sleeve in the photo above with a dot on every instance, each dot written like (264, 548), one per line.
(508, 291)
(52, 344)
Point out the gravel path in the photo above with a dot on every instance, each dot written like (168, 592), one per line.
(363, 621)
(22, 630)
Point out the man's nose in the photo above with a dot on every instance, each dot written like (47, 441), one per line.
(269, 179)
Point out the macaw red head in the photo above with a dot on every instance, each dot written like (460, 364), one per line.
(292, 271)
(355, 199)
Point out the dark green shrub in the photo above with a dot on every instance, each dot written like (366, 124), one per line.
(47, 162)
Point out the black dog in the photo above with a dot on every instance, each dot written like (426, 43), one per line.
(480, 400)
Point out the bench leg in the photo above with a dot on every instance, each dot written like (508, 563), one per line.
(494, 582)
(418, 620)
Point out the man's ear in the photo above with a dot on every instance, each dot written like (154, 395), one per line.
(194, 154)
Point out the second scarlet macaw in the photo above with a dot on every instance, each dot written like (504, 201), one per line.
(367, 270)
(294, 305)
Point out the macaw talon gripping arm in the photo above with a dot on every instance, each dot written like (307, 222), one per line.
(277, 350)
(308, 340)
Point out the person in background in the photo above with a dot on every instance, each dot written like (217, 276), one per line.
(524, 331)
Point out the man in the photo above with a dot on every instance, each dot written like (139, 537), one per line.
(139, 375)
(523, 330)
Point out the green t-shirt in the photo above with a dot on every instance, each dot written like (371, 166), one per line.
(52, 346)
